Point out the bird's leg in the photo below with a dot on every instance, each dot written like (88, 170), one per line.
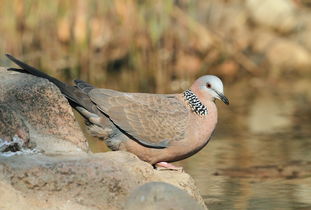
(167, 166)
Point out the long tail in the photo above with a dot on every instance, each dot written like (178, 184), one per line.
(75, 95)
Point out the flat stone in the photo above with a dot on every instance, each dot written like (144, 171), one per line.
(95, 181)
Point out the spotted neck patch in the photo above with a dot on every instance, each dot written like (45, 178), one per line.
(195, 103)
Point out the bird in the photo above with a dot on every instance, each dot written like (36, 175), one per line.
(157, 128)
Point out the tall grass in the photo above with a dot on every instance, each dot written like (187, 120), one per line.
(152, 46)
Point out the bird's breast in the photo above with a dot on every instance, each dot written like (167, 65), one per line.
(198, 132)
(201, 128)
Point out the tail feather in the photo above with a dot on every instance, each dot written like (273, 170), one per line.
(36, 72)
(29, 69)
(76, 96)
(84, 86)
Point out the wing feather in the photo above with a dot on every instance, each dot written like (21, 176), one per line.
(152, 119)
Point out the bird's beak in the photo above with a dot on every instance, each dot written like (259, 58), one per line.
(223, 98)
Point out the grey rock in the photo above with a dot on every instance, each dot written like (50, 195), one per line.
(11, 124)
(93, 181)
(34, 109)
(160, 195)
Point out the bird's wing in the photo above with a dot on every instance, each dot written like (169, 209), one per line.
(152, 119)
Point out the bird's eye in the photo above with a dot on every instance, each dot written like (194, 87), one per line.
(208, 85)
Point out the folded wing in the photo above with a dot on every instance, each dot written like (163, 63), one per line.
(154, 120)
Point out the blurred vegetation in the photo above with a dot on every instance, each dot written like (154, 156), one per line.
(152, 46)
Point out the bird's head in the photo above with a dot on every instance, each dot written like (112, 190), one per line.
(211, 87)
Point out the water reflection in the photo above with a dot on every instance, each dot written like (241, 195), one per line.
(263, 188)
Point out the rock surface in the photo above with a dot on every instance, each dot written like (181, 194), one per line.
(61, 174)
(92, 181)
(160, 195)
(34, 108)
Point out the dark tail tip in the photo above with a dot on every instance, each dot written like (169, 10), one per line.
(10, 56)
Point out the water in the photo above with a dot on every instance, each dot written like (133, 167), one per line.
(253, 173)
(15, 147)
(260, 155)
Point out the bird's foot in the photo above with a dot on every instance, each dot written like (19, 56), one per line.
(167, 166)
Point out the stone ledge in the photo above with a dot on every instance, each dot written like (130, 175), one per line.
(99, 181)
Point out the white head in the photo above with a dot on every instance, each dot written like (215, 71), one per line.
(210, 86)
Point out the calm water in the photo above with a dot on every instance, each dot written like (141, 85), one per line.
(244, 173)
(260, 157)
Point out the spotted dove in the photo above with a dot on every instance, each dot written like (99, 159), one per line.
(158, 128)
